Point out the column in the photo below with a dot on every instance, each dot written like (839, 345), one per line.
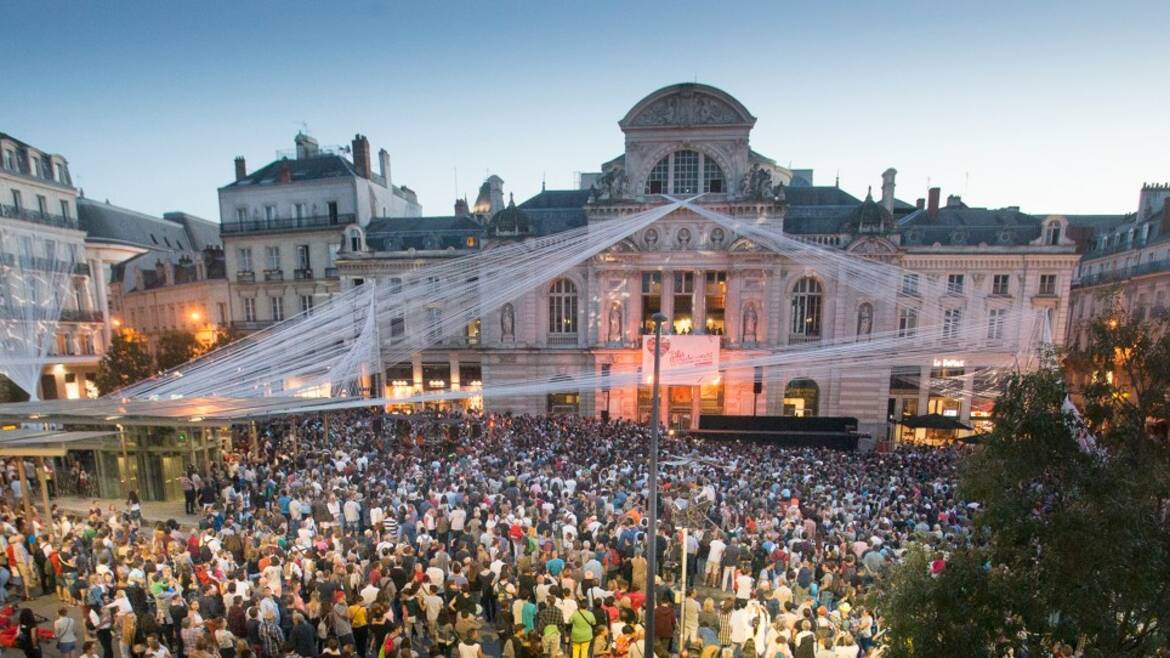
(97, 274)
(700, 303)
(923, 389)
(965, 402)
(668, 301)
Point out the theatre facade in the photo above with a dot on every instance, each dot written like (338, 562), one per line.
(692, 139)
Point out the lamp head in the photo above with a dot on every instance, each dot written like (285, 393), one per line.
(659, 317)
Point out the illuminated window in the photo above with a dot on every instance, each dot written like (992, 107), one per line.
(806, 308)
(715, 296)
(562, 307)
(651, 299)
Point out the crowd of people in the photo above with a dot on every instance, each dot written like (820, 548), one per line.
(371, 536)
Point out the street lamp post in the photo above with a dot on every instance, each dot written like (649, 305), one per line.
(652, 484)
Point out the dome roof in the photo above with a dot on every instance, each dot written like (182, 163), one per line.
(511, 221)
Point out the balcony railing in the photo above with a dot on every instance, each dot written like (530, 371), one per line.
(286, 224)
(81, 316)
(1123, 273)
(562, 339)
(274, 275)
(254, 325)
(330, 272)
(38, 217)
(246, 276)
(303, 274)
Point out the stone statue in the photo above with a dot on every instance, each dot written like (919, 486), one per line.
(611, 185)
(864, 320)
(508, 322)
(756, 184)
(615, 323)
(749, 323)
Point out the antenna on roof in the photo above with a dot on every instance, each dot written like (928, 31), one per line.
(456, 170)
(542, 174)
(966, 181)
(837, 183)
(304, 127)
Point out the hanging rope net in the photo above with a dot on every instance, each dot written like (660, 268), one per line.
(36, 283)
(329, 351)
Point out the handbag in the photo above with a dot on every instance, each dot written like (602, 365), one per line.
(322, 629)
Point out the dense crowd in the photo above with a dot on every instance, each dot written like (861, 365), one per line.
(463, 537)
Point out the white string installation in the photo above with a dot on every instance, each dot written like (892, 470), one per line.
(327, 352)
(36, 277)
(311, 354)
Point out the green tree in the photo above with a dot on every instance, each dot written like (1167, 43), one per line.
(224, 336)
(1074, 520)
(124, 363)
(175, 348)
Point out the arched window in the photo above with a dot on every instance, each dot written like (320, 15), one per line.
(562, 307)
(355, 240)
(801, 397)
(685, 172)
(806, 308)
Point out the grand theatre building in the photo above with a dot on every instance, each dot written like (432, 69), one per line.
(691, 139)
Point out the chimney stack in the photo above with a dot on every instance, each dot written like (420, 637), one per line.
(285, 172)
(1166, 216)
(920, 203)
(241, 168)
(384, 165)
(888, 189)
(954, 201)
(461, 209)
(932, 201)
(361, 155)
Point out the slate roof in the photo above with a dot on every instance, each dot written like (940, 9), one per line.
(326, 165)
(553, 211)
(105, 222)
(961, 225)
(402, 233)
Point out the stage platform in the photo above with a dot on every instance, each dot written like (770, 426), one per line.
(836, 432)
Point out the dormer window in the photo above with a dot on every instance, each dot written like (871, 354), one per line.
(1052, 235)
(355, 240)
(685, 172)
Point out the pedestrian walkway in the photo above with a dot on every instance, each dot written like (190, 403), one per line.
(152, 511)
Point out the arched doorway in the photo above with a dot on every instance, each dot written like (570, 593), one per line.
(801, 398)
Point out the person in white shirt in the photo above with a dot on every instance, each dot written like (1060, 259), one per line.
(714, 558)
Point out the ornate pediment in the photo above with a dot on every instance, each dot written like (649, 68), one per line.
(687, 105)
(871, 246)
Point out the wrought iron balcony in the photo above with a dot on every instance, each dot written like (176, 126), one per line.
(303, 274)
(286, 224)
(38, 217)
(246, 276)
(330, 272)
(81, 316)
(274, 275)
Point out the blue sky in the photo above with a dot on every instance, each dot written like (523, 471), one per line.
(1052, 106)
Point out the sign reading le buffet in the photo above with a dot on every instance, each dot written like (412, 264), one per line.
(686, 360)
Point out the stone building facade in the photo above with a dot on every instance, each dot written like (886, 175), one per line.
(692, 139)
(39, 206)
(283, 225)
